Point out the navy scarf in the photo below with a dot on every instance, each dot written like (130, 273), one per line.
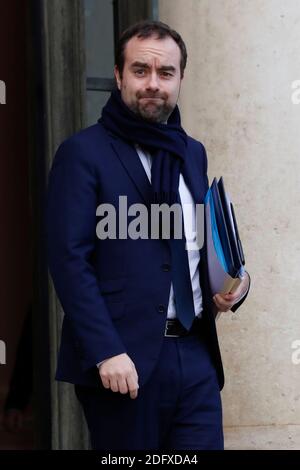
(167, 144)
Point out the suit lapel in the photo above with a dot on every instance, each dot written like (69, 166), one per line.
(134, 167)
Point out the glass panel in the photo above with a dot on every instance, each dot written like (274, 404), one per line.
(99, 38)
(95, 102)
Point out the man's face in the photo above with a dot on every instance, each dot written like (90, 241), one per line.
(151, 80)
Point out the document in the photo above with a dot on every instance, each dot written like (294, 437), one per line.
(224, 250)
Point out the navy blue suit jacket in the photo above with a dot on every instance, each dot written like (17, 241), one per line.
(114, 292)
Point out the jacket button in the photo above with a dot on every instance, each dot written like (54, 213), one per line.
(166, 267)
(161, 308)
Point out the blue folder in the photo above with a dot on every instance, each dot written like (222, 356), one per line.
(214, 229)
(224, 230)
(232, 227)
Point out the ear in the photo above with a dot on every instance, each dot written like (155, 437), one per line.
(117, 77)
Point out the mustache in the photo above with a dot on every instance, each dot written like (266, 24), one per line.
(151, 95)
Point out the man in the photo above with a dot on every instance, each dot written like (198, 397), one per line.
(139, 339)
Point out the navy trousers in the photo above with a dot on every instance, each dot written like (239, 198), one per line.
(179, 408)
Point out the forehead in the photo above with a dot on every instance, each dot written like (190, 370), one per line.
(165, 51)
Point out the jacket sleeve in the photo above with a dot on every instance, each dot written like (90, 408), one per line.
(71, 236)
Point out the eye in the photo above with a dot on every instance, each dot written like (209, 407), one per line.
(139, 72)
(167, 74)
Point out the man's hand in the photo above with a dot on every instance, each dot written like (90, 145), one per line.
(225, 302)
(119, 374)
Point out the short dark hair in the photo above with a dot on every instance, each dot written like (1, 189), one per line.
(146, 29)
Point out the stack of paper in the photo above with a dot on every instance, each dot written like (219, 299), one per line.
(224, 248)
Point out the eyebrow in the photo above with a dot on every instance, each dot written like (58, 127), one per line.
(144, 65)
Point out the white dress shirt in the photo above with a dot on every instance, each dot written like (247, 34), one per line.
(189, 220)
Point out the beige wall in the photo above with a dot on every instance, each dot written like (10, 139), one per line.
(236, 99)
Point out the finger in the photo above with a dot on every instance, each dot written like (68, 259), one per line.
(233, 297)
(135, 374)
(134, 371)
(123, 387)
(221, 297)
(216, 301)
(114, 384)
(229, 296)
(222, 304)
(105, 381)
(223, 300)
(133, 393)
(132, 386)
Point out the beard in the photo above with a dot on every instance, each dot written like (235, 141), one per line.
(152, 108)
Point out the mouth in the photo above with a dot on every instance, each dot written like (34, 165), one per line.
(151, 99)
(151, 102)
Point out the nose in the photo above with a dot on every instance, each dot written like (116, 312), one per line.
(153, 82)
